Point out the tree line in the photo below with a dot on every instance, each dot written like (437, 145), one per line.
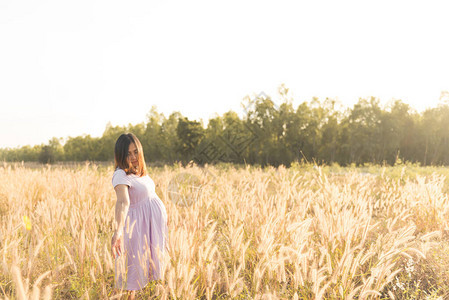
(269, 134)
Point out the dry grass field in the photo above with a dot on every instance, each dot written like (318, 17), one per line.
(250, 233)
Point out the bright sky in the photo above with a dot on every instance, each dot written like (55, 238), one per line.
(69, 67)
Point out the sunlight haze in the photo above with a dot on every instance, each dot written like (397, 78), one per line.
(69, 68)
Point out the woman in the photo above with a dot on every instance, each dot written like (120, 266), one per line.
(139, 243)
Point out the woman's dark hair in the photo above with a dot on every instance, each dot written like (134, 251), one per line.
(121, 155)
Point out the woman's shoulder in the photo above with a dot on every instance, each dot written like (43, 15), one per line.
(119, 172)
(120, 177)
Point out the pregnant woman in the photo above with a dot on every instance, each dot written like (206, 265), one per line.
(140, 241)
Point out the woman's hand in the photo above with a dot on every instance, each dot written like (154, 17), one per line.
(116, 245)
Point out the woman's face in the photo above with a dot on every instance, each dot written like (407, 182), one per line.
(133, 155)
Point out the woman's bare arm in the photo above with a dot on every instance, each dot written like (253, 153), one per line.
(121, 208)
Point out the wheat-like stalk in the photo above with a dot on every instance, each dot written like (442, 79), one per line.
(248, 233)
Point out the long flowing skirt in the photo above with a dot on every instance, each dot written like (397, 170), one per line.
(145, 236)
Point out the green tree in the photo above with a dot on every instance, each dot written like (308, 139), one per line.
(52, 152)
(170, 139)
(397, 127)
(107, 141)
(190, 134)
(434, 136)
(82, 148)
(364, 131)
(153, 136)
(329, 128)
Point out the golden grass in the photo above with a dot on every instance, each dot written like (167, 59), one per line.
(250, 234)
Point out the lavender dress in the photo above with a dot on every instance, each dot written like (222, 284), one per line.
(144, 235)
